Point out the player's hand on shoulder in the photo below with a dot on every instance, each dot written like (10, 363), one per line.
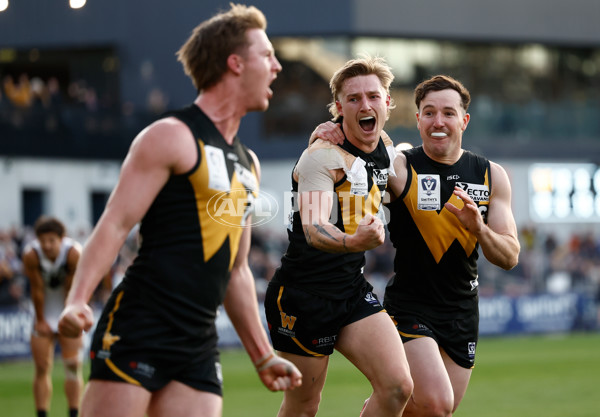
(278, 374)
(328, 131)
(75, 319)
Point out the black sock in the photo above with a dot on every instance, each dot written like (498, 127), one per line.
(73, 412)
(41, 413)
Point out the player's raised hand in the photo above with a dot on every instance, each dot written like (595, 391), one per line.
(75, 319)
(278, 374)
(469, 214)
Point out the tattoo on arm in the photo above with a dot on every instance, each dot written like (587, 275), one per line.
(324, 232)
(307, 234)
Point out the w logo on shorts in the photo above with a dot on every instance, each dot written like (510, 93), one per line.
(287, 321)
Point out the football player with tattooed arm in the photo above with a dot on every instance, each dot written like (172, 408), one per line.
(319, 300)
(447, 203)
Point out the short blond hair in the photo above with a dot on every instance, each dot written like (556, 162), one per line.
(204, 54)
(356, 67)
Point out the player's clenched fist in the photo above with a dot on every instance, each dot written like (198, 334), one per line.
(278, 374)
(370, 233)
(75, 319)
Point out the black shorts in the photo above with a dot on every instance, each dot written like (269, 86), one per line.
(306, 324)
(457, 335)
(130, 345)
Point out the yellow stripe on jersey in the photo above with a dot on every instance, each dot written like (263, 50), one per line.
(228, 206)
(355, 207)
(439, 230)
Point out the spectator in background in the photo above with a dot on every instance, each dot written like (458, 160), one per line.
(19, 93)
(50, 262)
(12, 288)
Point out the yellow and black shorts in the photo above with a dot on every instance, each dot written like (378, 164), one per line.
(306, 324)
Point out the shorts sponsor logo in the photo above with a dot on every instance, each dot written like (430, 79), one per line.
(471, 350)
(324, 341)
(103, 354)
(371, 299)
(141, 368)
(420, 327)
(219, 372)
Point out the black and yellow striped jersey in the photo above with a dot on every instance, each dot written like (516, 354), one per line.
(336, 275)
(190, 235)
(436, 257)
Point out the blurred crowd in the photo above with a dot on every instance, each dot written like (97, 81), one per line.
(54, 116)
(547, 264)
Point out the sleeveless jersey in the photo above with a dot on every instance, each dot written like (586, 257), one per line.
(336, 275)
(436, 257)
(190, 236)
(54, 274)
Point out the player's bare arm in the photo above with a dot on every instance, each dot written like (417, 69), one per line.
(161, 149)
(275, 373)
(498, 239)
(31, 265)
(315, 209)
(72, 260)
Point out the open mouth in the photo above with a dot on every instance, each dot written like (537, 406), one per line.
(367, 123)
(439, 135)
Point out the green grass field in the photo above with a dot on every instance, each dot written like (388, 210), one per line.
(539, 376)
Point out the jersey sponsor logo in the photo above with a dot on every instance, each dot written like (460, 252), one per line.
(452, 177)
(474, 284)
(429, 192)
(477, 192)
(380, 176)
(358, 178)
(245, 176)
(218, 177)
(287, 322)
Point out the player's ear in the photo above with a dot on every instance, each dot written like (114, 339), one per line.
(466, 119)
(338, 106)
(235, 63)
